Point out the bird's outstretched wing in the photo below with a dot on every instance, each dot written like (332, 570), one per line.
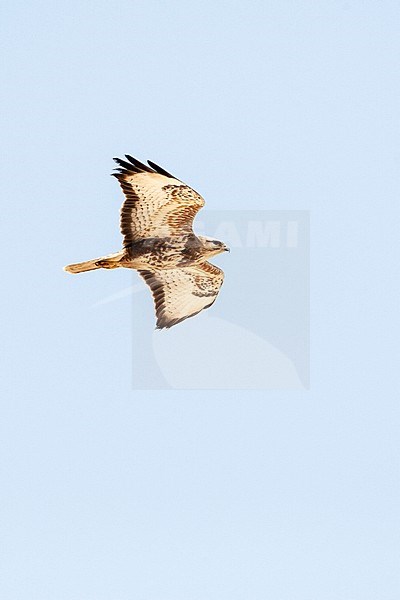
(157, 204)
(182, 293)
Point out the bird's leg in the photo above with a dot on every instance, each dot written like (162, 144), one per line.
(106, 264)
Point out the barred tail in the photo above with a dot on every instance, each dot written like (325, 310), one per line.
(89, 265)
(105, 262)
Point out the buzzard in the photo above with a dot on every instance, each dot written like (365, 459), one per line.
(159, 242)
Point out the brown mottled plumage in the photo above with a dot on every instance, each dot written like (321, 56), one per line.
(156, 224)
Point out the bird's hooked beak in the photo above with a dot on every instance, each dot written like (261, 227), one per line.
(227, 249)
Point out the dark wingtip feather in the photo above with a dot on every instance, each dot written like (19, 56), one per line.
(127, 166)
(160, 170)
(135, 166)
(138, 164)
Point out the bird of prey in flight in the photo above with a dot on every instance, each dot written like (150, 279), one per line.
(159, 242)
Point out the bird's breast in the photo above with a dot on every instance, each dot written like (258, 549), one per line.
(163, 253)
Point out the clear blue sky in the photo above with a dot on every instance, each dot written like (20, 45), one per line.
(111, 493)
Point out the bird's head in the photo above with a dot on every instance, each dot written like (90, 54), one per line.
(212, 247)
